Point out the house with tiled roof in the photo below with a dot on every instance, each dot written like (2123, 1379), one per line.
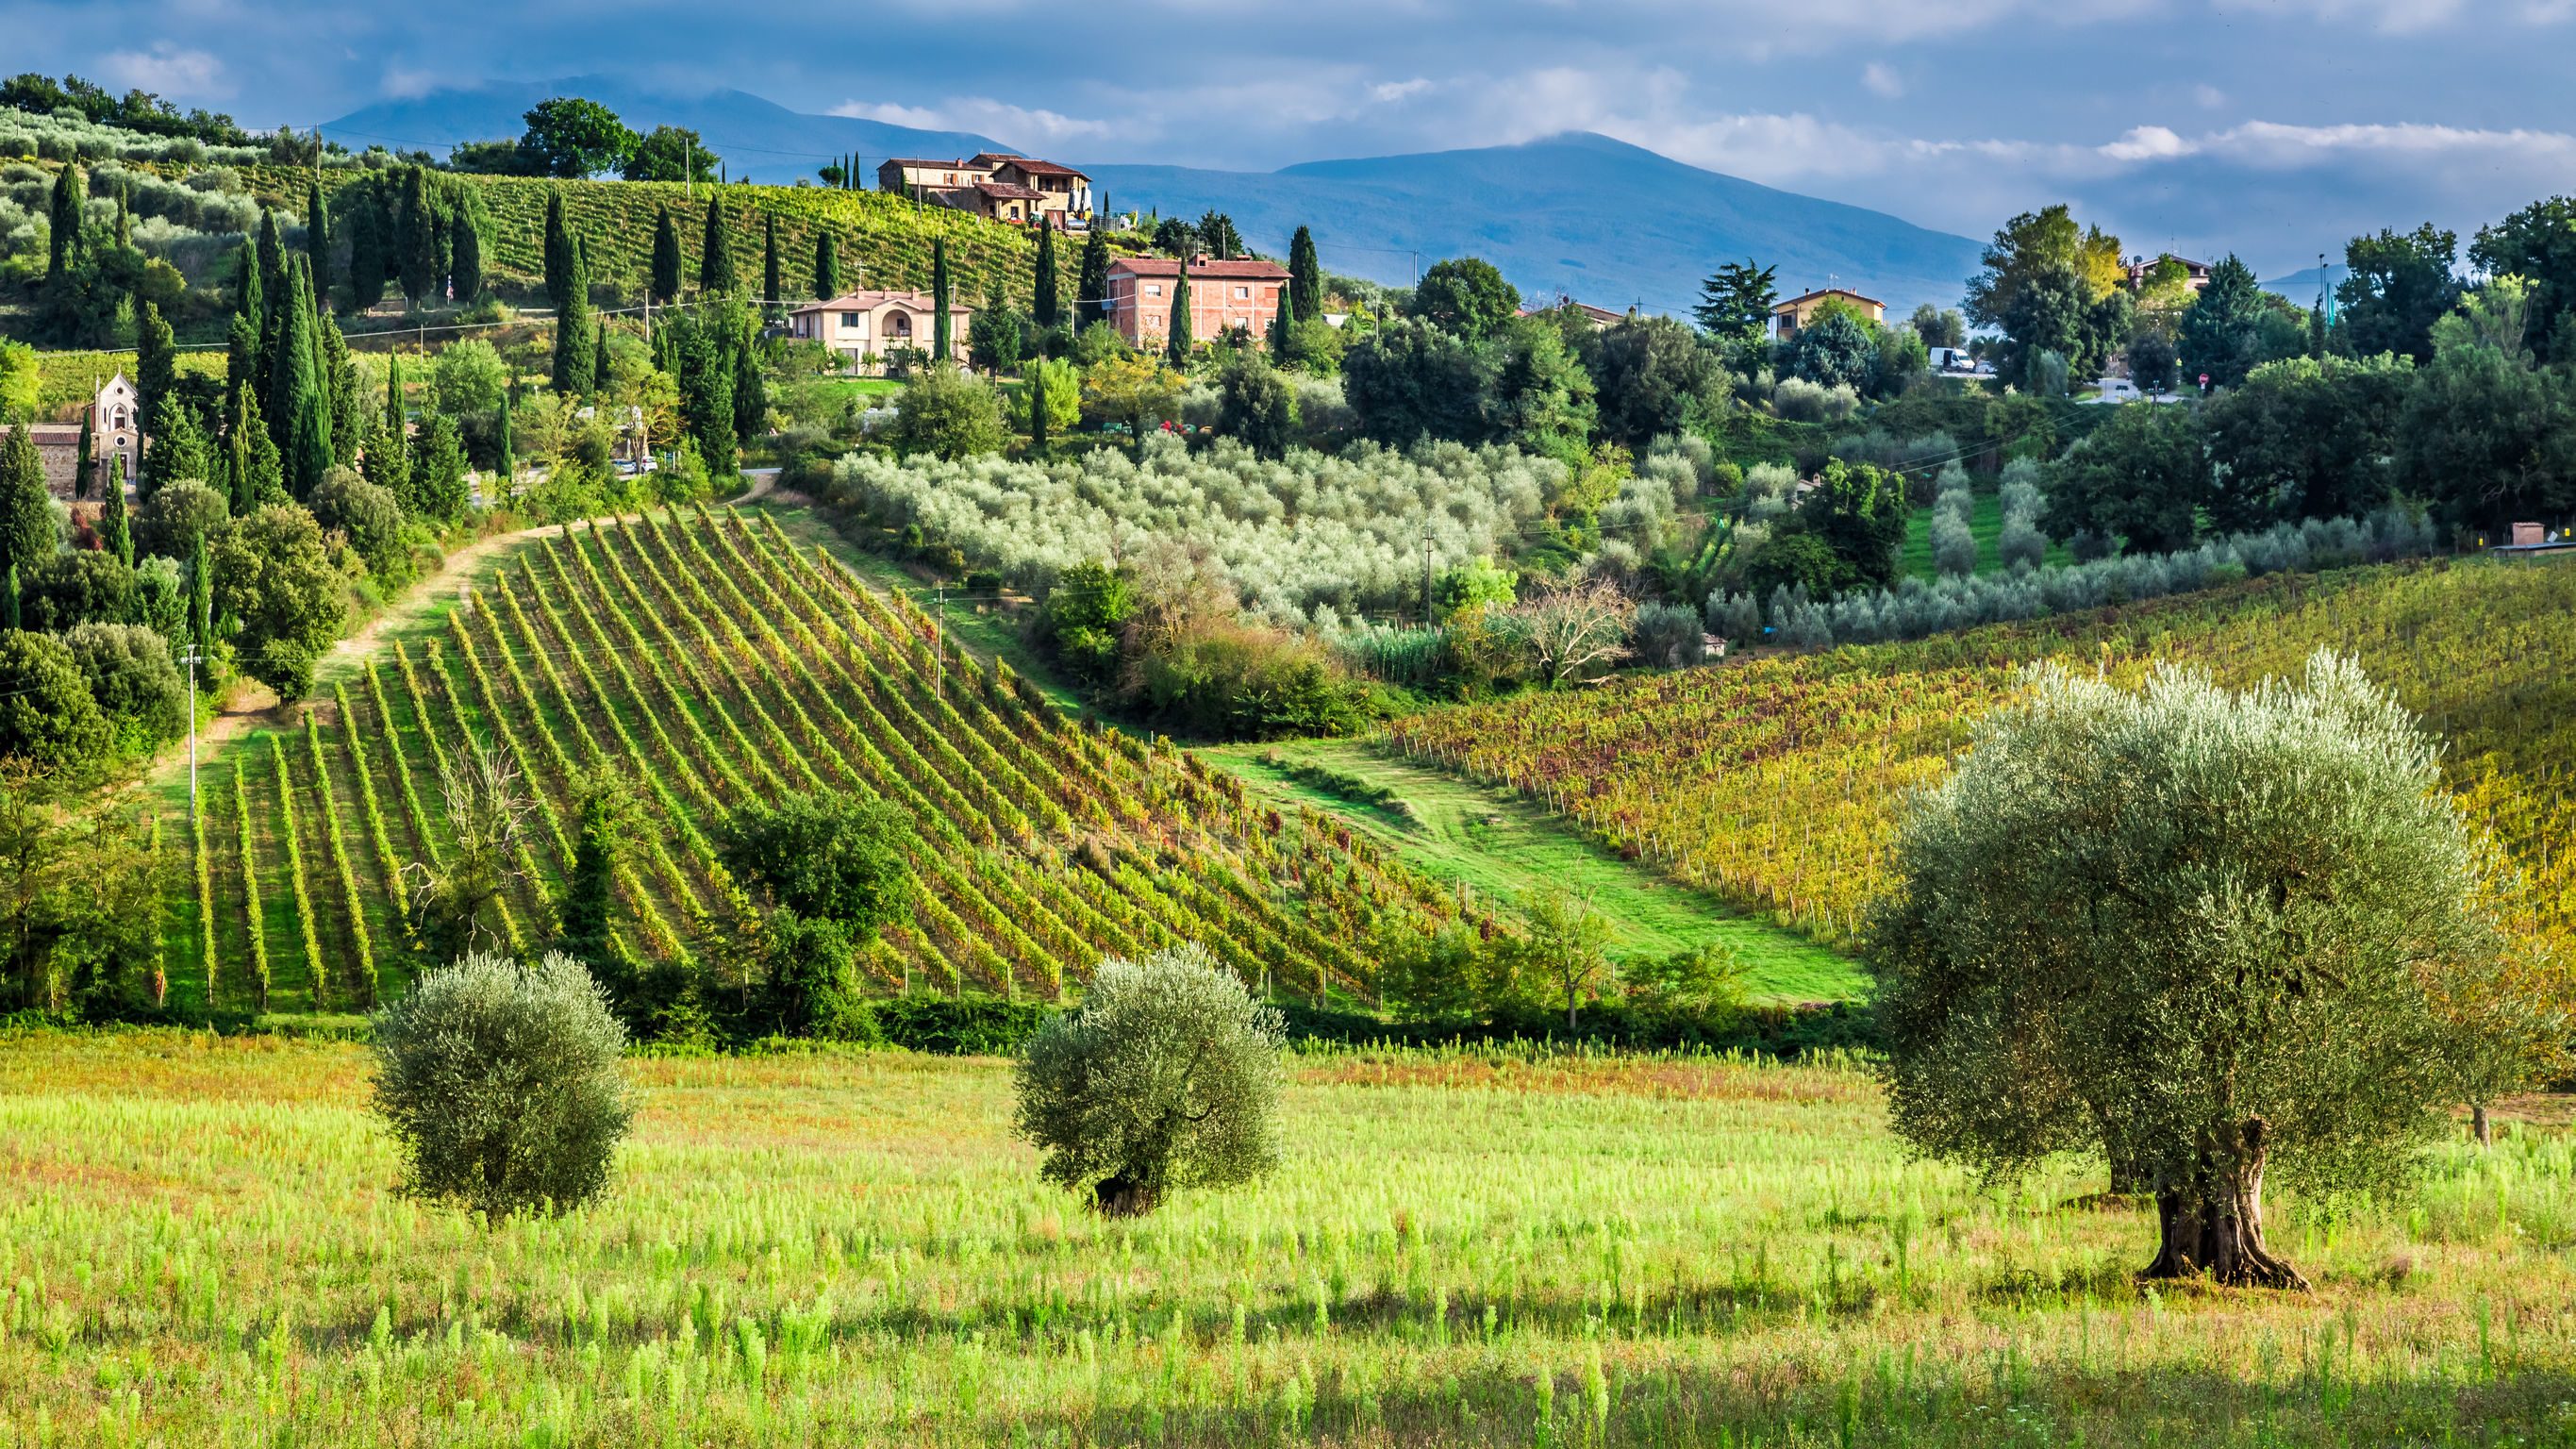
(1226, 294)
(862, 325)
(1787, 317)
(993, 184)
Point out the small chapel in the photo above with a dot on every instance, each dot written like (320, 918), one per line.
(116, 431)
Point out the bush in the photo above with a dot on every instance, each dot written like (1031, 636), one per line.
(1166, 1077)
(501, 1083)
(1668, 636)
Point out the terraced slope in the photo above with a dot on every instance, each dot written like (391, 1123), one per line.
(720, 664)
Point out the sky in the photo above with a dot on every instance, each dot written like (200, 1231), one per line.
(2273, 129)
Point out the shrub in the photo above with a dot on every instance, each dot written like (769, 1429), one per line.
(1166, 1077)
(501, 1084)
(1669, 635)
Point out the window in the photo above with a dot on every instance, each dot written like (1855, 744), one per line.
(1153, 319)
(1153, 289)
(850, 320)
(1242, 293)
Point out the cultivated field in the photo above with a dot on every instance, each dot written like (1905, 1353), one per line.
(1777, 784)
(202, 1248)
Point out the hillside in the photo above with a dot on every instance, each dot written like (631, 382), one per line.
(722, 665)
(1776, 784)
(759, 140)
(1603, 221)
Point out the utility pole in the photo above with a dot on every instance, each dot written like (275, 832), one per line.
(1426, 573)
(939, 649)
(688, 170)
(192, 661)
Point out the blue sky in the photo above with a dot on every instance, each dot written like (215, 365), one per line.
(2273, 129)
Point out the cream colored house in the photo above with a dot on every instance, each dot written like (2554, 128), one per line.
(859, 325)
(116, 431)
(1787, 317)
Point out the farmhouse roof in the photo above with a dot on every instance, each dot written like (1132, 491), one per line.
(1827, 292)
(1252, 268)
(1005, 191)
(1034, 167)
(860, 301)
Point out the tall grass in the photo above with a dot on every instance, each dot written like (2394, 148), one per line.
(1505, 1246)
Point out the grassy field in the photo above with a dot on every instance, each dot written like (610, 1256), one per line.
(1986, 521)
(203, 1247)
(1499, 843)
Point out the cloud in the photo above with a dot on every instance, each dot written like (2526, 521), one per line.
(2148, 143)
(1020, 125)
(169, 71)
(2210, 97)
(2387, 17)
(1882, 80)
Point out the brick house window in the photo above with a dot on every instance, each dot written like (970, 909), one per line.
(1242, 292)
(1153, 289)
(850, 319)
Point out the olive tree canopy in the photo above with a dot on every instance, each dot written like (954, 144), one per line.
(1164, 1078)
(2199, 933)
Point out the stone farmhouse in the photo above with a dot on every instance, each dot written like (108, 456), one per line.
(995, 185)
(860, 325)
(1787, 317)
(116, 431)
(1225, 295)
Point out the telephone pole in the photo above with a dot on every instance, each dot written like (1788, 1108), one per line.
(192, 661)
(1426, 573)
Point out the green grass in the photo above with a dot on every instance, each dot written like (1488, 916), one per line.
(205, 1246)
(1986, 521)
(1502, 845)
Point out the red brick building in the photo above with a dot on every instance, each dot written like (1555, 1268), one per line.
(1224, 295)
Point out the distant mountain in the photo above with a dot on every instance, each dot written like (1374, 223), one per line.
(758, 139)
(1602, 221)
(2301, 286)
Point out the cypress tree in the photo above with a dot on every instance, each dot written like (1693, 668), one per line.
(289, 350)
(1049, 310)
(241, 362)
(1305, 275)
(115, 529)
(178, 448)
(1091, 304)
(247, 301)
(750, 395)
(88, 455)
(156, 366)
(1178, 348)
(827, 267)
(27, 534)
(416, 240)
(62, 220)
(559, 250)
(272, 266)
(509, 469)
(666, 257)
(124, 220)
(715, 253)
(348, 409)
(388, 453)
(251, 458)
(1280, 322)
(300, 393)
(1037, 390)
(939, 349)
(366, 255)
(317, 241)
(770, 288)
(201, 593)
(9, 615)
(574, 364)
(394, 395)
(599, 373)
(465, 251)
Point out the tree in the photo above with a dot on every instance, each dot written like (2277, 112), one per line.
(941, 352)
(417, 251)
(1256, 405)
(503, 1085)
(114, 528)
(1217, 236)
(156, 369)
(171, 519)
(22, 390)
(829, 856)
(241, 362)
(610, 811)
(561, 253)
(602, 374)
(666, 256)
(47, 717)
(2222, 332)
(340, 398)
(1654, 377)
(370, 517)
(62, 218)
(317, 241)
(1305, 275)
(2394, 288)
(1050, 399)
(2537, 243)
(1735, 301)
(1859, 512)
(1176, 238)
(1182, 332)
(1573, 628)
(2143, 476)
(1409, 380)
(1465, 296)
(437, 471)
(575, 364)
(750, 394)
(715, 252)
(2083, 262)
(2491, 441)
(1544, 401)
(467, 376)
(772, 284)
(1044, 306)
(367, 253)
(1166, 1077)
(1569, 940)
(1834, 351)
(571, 137)
(671, 153)
(827, 265)
(2305, 438)
(456, 902)
(1136, 391)
(465, 256)
(274, 575)
(28, 536)
(1091, 300)
(128, 672)
(949, 414)
(251, 462)
(1938, 328)
(2199, 933)
(299, 402)
(994, 341)
(2055, 308)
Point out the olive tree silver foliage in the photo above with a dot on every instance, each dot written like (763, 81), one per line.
(2200, 934)
(1166, 1077)
(503, 1085)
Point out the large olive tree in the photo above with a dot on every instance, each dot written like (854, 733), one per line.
(1166, 1077)
(2205, 935)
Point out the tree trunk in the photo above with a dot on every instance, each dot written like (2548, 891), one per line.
(2479, 1126)
(2211, 1218)
(1122, 1197)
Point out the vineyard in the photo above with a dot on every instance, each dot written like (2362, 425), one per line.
(885, 239)
(1776, 784)
(717, 663)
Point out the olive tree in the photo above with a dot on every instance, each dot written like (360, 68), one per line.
(501, 1083)
(1165, 1077)
(2204, 935)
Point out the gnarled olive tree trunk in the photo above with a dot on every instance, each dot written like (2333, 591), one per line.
(2211, 1215)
